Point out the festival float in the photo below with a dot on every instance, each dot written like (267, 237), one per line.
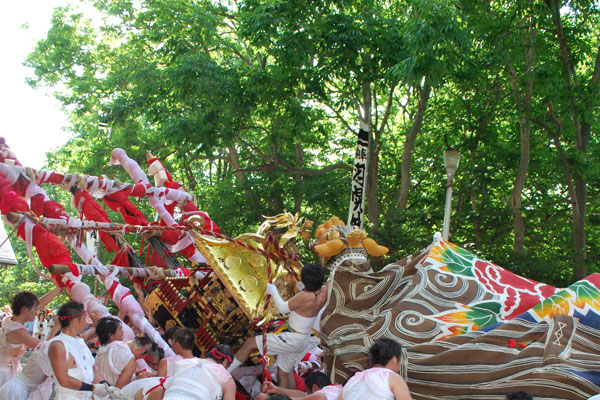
(470, 329)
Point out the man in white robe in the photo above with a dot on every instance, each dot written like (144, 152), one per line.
(70, 359)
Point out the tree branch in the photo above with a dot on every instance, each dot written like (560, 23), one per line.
(272, 167)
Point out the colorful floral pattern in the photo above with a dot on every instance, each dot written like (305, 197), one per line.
(513, 295)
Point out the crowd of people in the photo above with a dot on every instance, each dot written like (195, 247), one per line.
(62, 363)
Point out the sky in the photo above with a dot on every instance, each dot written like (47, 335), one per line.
(32, 120)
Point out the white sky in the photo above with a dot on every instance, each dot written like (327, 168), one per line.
(31, 120)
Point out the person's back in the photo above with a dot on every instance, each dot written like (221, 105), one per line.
(111, 360)
(197, 378)
(203, 379)
(372, 383)
(140, 389)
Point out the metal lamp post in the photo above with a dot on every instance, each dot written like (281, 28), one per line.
(451, 160)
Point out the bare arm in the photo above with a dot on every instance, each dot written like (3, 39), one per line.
(48, 297)
(269, 387)
(399, 387)
(58, 360)
(162, 368)
(55, 328)
(22, 336)
(126, 374)
(90, 335)
(229, 390)
(313, 396)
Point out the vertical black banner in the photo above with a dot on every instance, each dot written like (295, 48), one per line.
(359, 178)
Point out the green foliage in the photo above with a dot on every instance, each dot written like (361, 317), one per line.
(250, 105)
(17, 278)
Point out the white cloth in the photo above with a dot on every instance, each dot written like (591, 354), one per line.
(331, 392)
(111, 360)
(36, 327)
(372, 383)
(197, 379)
(10, 353)
(141, 366)
(301, 324)
(84, 371)
(46, 326)
(33, 381)
(171, 361)
(146, 384)
(289, 347)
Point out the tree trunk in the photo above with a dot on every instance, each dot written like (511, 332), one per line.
(241, 178)
(476, 223)
(187, 167)
(579, 108)
(523, 107)
(372, 158)
(409, 145)
(298, 178)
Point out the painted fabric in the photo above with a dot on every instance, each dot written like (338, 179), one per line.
(444, 304)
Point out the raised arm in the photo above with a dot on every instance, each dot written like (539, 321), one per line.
(282, 306)
(48, 297)
(55, 328)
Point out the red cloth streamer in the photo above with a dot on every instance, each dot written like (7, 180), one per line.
(161, 384)
(47, 208)
(119, 201)
(50, 249)
(93, 211)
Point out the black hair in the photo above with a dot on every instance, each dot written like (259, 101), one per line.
(185, 337)
(23, 299)
(279, 396)
(312, 276)
(221, 354)
(519, 396)
(159, 352)
(105, 327)
(67, 310)
(169, 333)
(317, 378)
(384, 350)
(146, 342)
